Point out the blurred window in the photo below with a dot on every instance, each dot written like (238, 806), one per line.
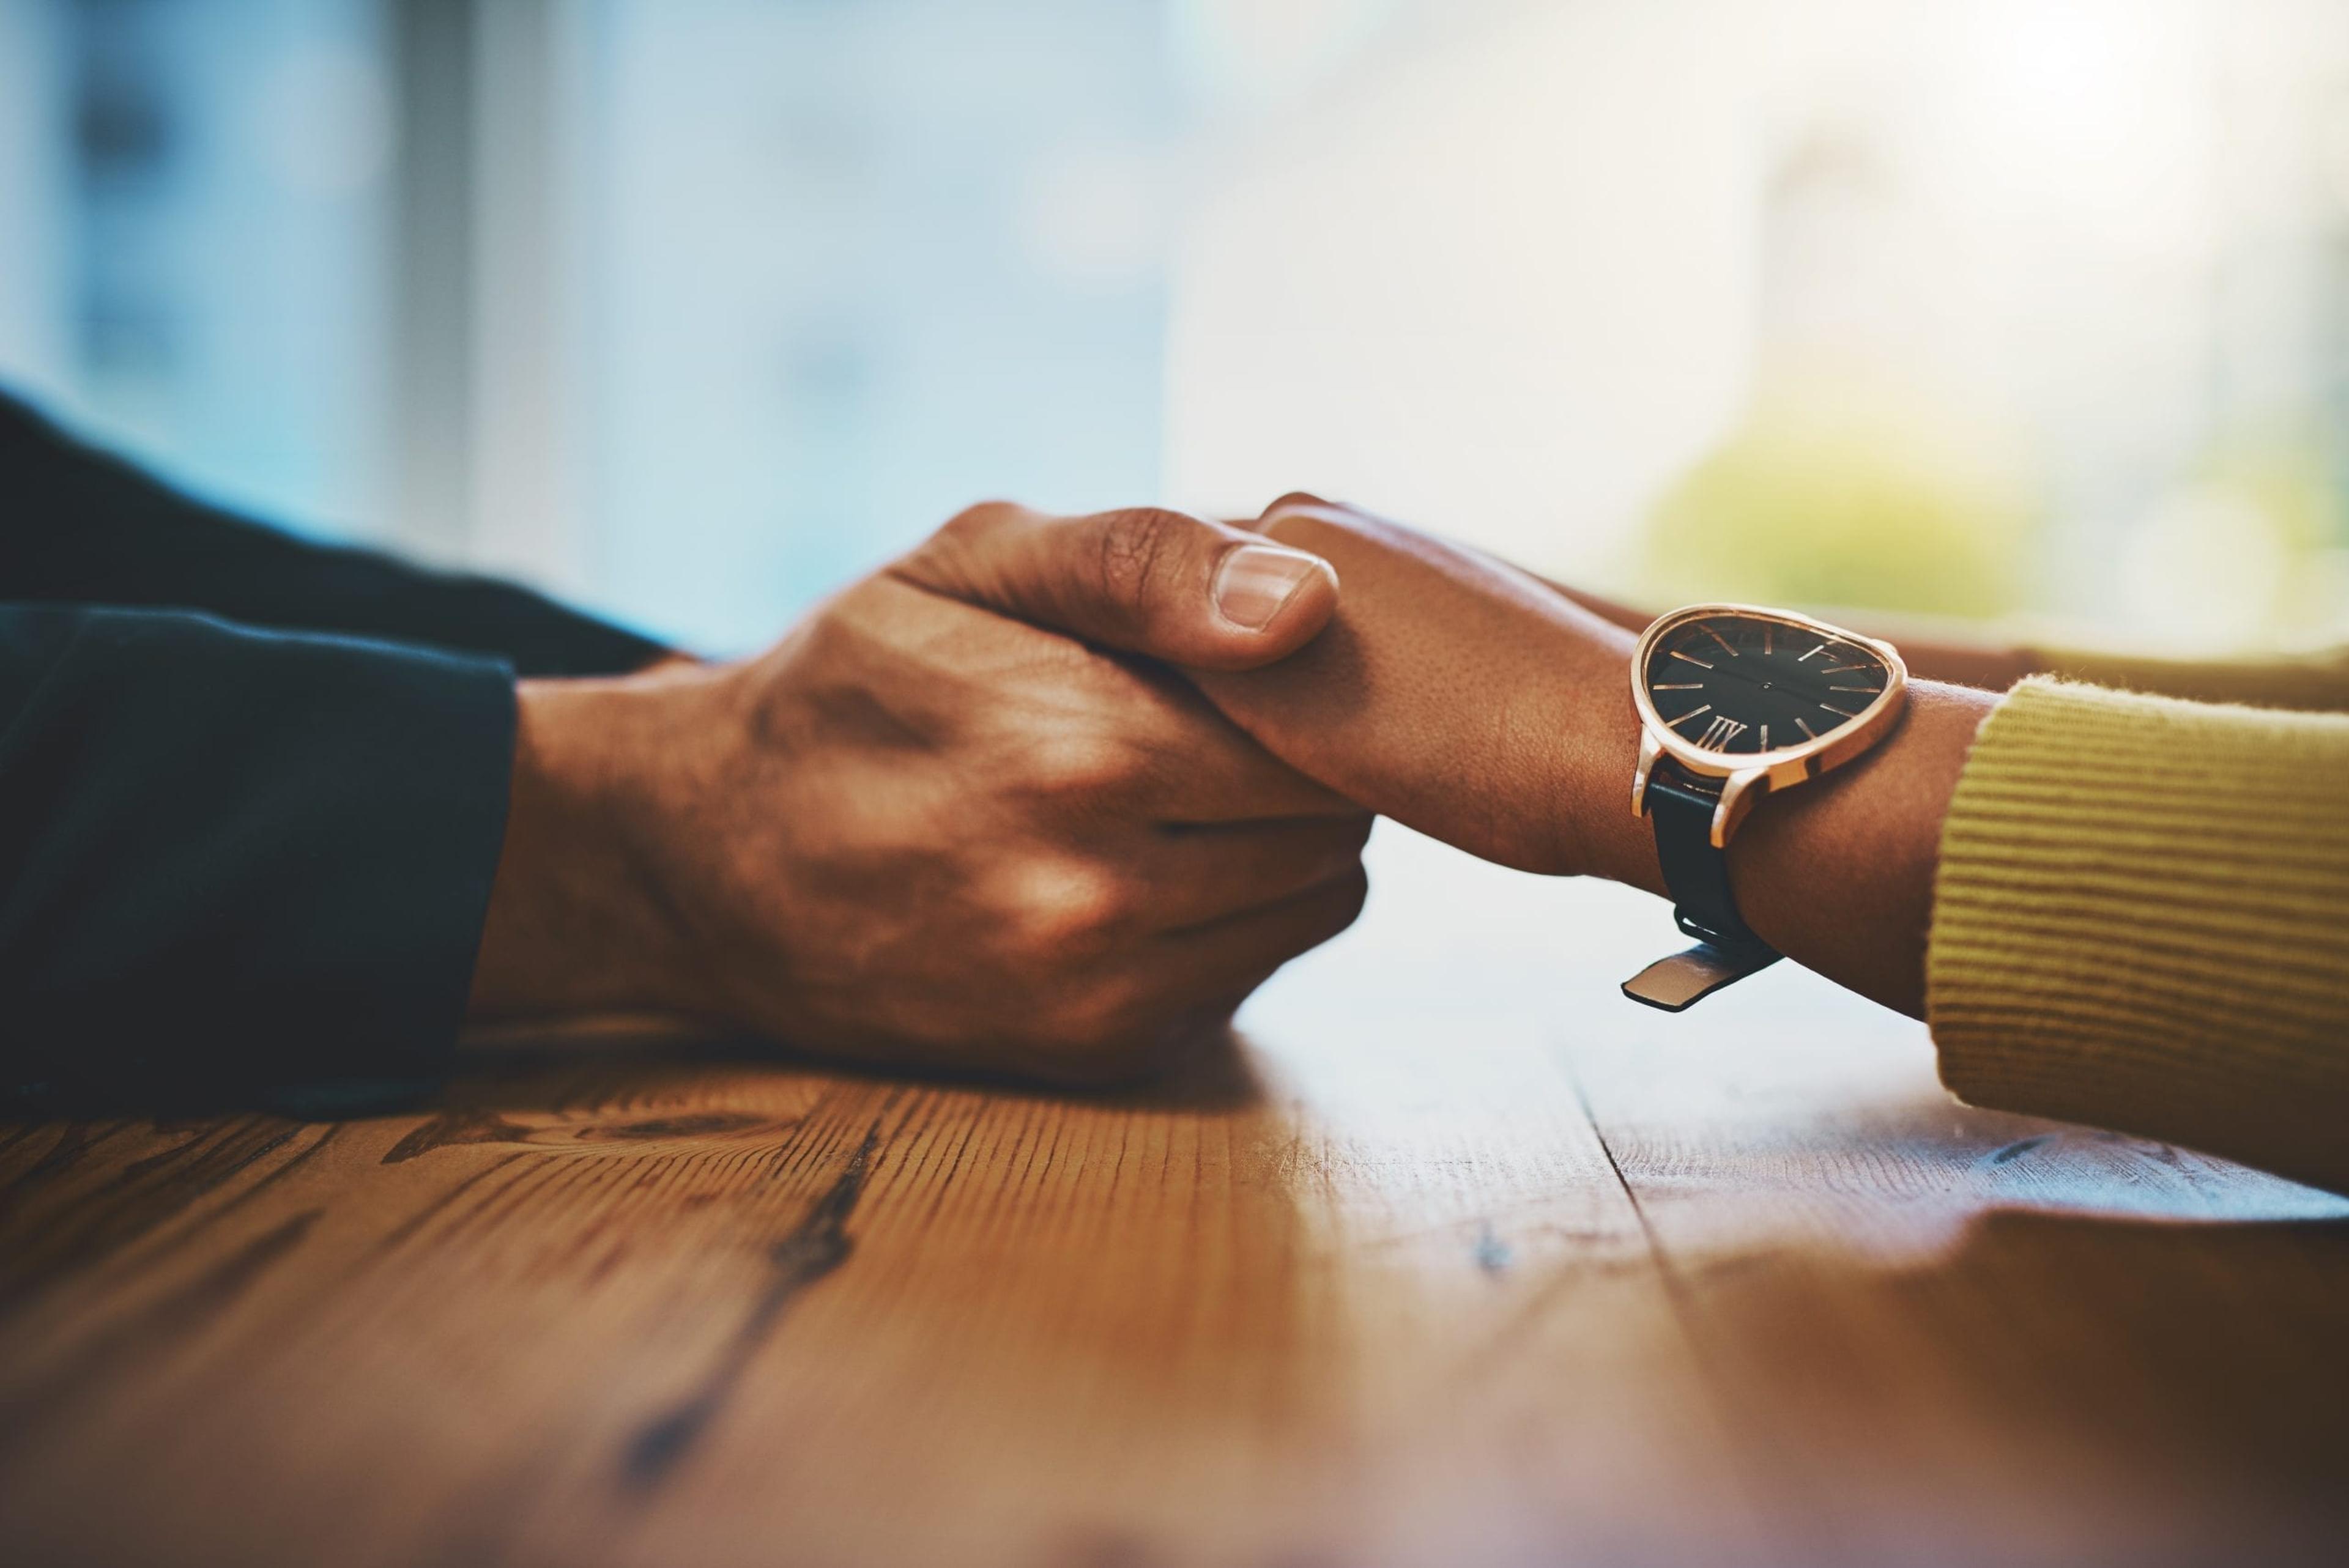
(195, 210)
(697, 308)
(855, 266)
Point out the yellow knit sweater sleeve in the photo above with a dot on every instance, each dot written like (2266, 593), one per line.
(2141, 921)
(2316, 681)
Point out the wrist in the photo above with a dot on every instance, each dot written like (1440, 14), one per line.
(1621, 843)
(575, 925)
(1600, 833)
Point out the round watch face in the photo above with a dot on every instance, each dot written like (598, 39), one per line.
(1737, 684)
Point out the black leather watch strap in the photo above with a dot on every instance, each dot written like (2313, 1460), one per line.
(1681, 804)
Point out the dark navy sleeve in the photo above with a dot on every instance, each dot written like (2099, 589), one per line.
(232, 854)
(77, 526)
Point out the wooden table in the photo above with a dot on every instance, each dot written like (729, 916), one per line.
(1454, 1258)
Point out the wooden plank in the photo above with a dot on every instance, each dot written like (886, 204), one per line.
(1995, 1338)
(1367, 1288)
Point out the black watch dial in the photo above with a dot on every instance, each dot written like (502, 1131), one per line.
(1742, 685)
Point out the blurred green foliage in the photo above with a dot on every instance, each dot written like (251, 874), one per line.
(1827, 497)
(2284, 474)
(2241, 552)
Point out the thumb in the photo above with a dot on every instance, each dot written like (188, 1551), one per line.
(1162, 583)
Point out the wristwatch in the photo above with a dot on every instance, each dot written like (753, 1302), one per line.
(1735, 703)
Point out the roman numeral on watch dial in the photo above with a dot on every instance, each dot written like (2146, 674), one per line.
(1719, 733)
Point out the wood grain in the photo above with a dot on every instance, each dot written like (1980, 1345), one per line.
(1452, 1258)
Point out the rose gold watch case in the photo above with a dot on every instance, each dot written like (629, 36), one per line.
(1747, 778)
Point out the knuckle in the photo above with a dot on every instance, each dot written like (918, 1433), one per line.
(973, 521)
(1071, 915)
(946, 556)
(1343, 905)
(1140, 546)
(1084, 764)
(1294, 500)
(1093, 1022)
(1337, 843)
(831, 633)
(1299, 516)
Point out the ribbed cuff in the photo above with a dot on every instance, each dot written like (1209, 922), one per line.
(2141, 921)
(2316, 682)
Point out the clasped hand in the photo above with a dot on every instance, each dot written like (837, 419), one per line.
(926, 829)
(1051, 795)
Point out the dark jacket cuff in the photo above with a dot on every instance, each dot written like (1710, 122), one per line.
(234, 856)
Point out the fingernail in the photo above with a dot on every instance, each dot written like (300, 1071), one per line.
(1256, 580)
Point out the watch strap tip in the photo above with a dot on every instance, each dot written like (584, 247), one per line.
(1677, 983)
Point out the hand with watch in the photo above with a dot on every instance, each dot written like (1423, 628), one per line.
(1488, 708)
